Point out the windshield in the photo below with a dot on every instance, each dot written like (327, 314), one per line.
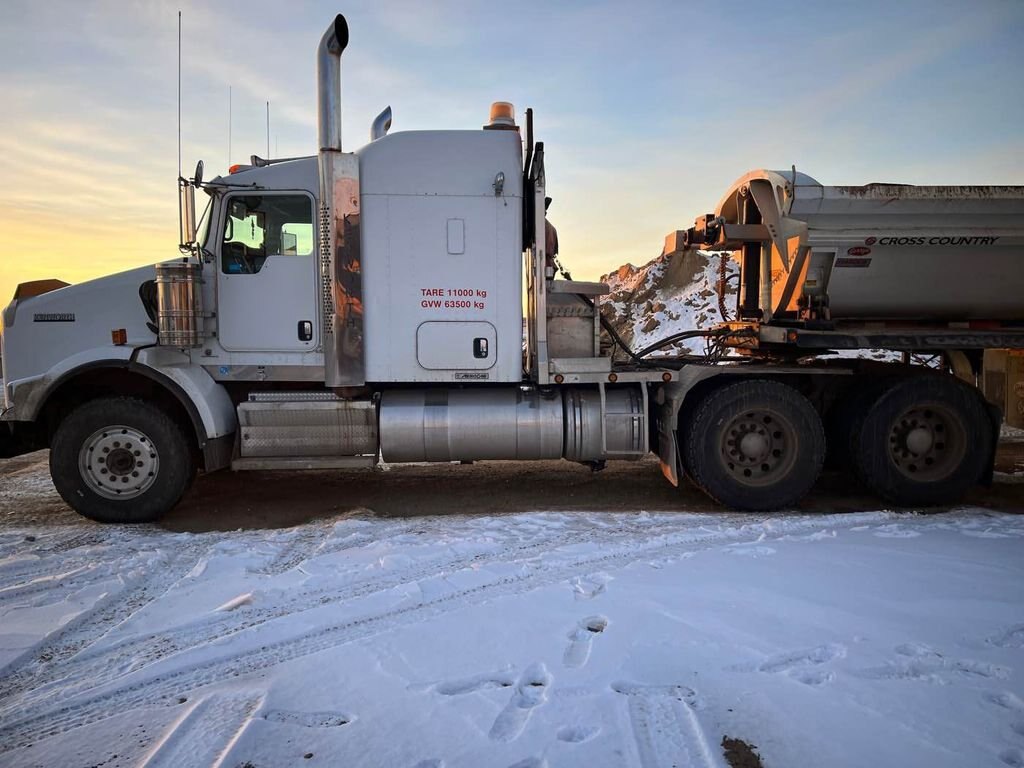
(204, 222)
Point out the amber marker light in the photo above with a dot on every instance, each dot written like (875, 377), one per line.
(559, 378)
(666, 376)
(119, 337)
(613, 377)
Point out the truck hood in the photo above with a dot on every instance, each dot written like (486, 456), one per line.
(41, 330)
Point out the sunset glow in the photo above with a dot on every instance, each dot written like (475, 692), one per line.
(645, 114)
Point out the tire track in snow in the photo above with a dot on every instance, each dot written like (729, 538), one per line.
(302, 547)
(154, 647)
(164, 689)
(56, 586)
(320, 541)
(665, 726)
(89, 670)
(205, 734)
(18, 574)
(81, 632)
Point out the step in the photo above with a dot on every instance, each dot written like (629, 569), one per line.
(304, 462)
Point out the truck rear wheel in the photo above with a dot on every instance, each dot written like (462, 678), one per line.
(923, 442)
(754, 445)
(120, 460)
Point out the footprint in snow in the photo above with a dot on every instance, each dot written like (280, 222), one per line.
(589, 587)
(581, 639)
(894, 531)
(926, 664)
(749, 551)
(502, 679)
(530, 692)
(800, 664)
(577, 734)
(1011, 637)
(1005, 699)
(308, 719)
(918, 651)
(531, 762)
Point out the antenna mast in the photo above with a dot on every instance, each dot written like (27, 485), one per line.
(179, 94)
(229, 126)
(268, 130)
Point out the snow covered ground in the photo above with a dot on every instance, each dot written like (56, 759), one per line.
(541, 638)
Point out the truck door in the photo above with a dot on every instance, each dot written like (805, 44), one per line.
(266, 284)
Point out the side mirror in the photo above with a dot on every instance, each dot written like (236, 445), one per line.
(187, 212)
(198, 178)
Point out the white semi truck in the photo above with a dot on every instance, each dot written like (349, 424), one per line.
(350, 307)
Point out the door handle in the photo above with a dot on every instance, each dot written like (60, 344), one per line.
(305, 330)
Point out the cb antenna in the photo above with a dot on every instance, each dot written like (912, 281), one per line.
(229, 126)
(268, 130)
(179, 94)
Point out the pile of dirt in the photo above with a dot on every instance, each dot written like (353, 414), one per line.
(739, 754)
(668, 295)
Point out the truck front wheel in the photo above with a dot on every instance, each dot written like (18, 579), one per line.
(120, 460)
(924, 442)
(754, 445)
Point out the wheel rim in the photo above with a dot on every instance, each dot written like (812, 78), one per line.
(758, 447)
(927, 442)
(119, 462)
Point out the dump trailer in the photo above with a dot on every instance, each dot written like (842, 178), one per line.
(352, 307)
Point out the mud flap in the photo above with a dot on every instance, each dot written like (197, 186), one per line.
(995, 415)
(668, 447)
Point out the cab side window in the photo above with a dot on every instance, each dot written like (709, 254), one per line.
(259, 226)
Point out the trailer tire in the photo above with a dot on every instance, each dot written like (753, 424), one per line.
(121, 460)
(754, 445)
(924, 442)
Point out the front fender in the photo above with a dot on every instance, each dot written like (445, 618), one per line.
(207, 402)
(211, 402)
(27, 396)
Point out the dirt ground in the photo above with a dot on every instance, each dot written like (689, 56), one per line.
(252, 500)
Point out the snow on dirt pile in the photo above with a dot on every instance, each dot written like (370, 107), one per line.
(669, 295)
(544, 638)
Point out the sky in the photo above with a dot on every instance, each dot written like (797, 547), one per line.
(648, 110)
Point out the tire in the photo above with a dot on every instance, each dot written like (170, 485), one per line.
(121, 460)
(923, 442)
(754, 445)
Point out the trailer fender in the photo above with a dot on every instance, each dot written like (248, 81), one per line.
(668, 401)
(693, 382)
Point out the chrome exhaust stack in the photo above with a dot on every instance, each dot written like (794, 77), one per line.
(328, 79)
(341, 281)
